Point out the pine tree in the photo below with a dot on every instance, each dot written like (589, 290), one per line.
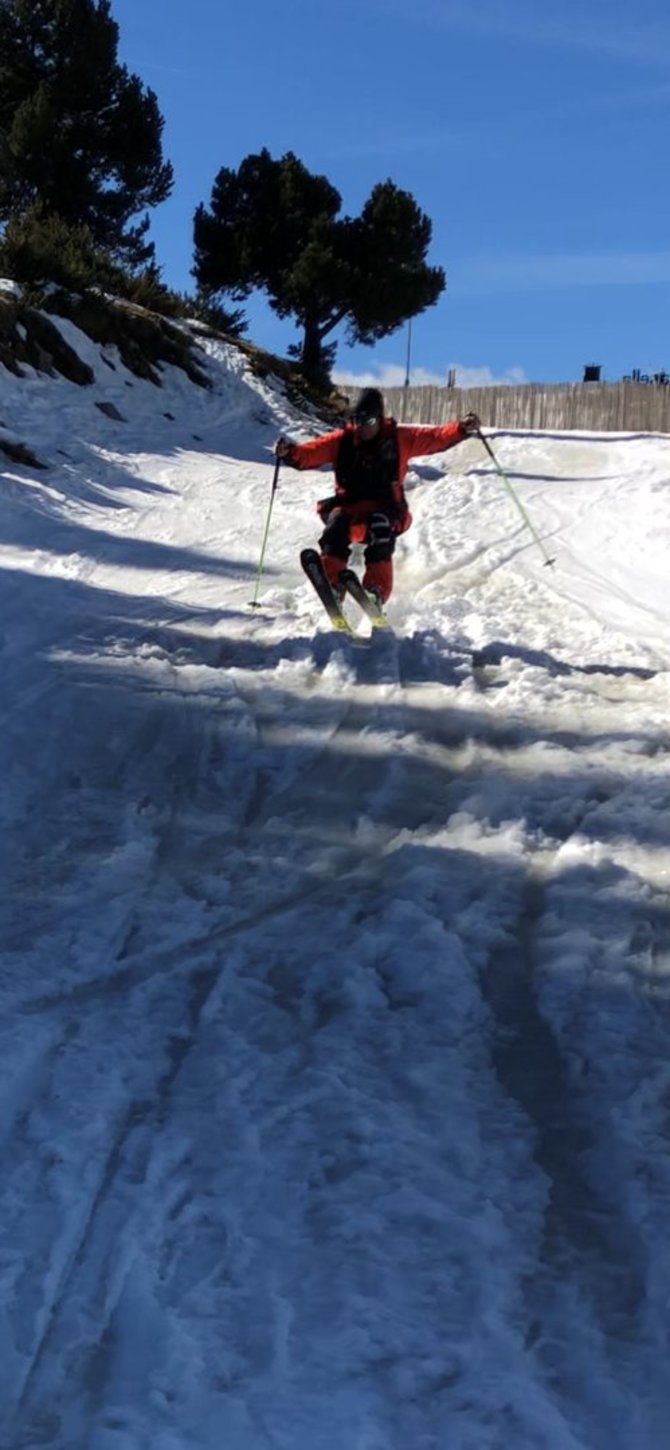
(274, 225)
(80, 136)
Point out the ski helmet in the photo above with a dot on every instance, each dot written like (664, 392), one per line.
(370, 406)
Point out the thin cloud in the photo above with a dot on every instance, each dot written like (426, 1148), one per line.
(391, 375)
(558, 271)
(643, 41)
(599, 107)
(407, 143)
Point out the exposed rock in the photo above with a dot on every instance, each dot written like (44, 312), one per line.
(20, 453)
(29, 339)
(111, 411)
(144, 339)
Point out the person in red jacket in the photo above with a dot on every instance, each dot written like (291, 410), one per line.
(370, 457)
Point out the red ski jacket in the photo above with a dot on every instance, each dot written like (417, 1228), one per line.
(411, 441)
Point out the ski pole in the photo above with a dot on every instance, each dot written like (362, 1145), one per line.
(254, 602)
(515, 497)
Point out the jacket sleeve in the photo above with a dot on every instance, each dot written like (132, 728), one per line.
(315, 453)
(418, 439)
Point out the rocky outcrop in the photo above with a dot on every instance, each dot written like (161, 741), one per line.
(144, 340)
(28, 338)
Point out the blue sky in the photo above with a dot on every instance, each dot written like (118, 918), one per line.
(536, 139)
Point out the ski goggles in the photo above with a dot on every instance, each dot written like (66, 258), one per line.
(366, 420)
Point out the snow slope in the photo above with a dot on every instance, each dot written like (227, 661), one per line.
(335, 973)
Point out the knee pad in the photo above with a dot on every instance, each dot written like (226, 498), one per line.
(381, 538)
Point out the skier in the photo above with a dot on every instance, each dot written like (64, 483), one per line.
(370, 457)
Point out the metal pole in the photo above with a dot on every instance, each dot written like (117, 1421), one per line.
(516, 499)
(409, 349)
(254, 602)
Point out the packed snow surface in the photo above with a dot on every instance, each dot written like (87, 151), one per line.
(335, 1042)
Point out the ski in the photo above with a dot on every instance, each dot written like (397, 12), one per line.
(311, 563)
(367, 602)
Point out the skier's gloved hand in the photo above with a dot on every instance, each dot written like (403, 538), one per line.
(470, 424)
(283, 448)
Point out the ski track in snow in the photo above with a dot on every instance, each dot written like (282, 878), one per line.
(336, 1029)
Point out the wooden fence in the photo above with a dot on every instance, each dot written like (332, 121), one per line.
(624, 407)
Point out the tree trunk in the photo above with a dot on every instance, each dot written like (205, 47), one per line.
(312, 356)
